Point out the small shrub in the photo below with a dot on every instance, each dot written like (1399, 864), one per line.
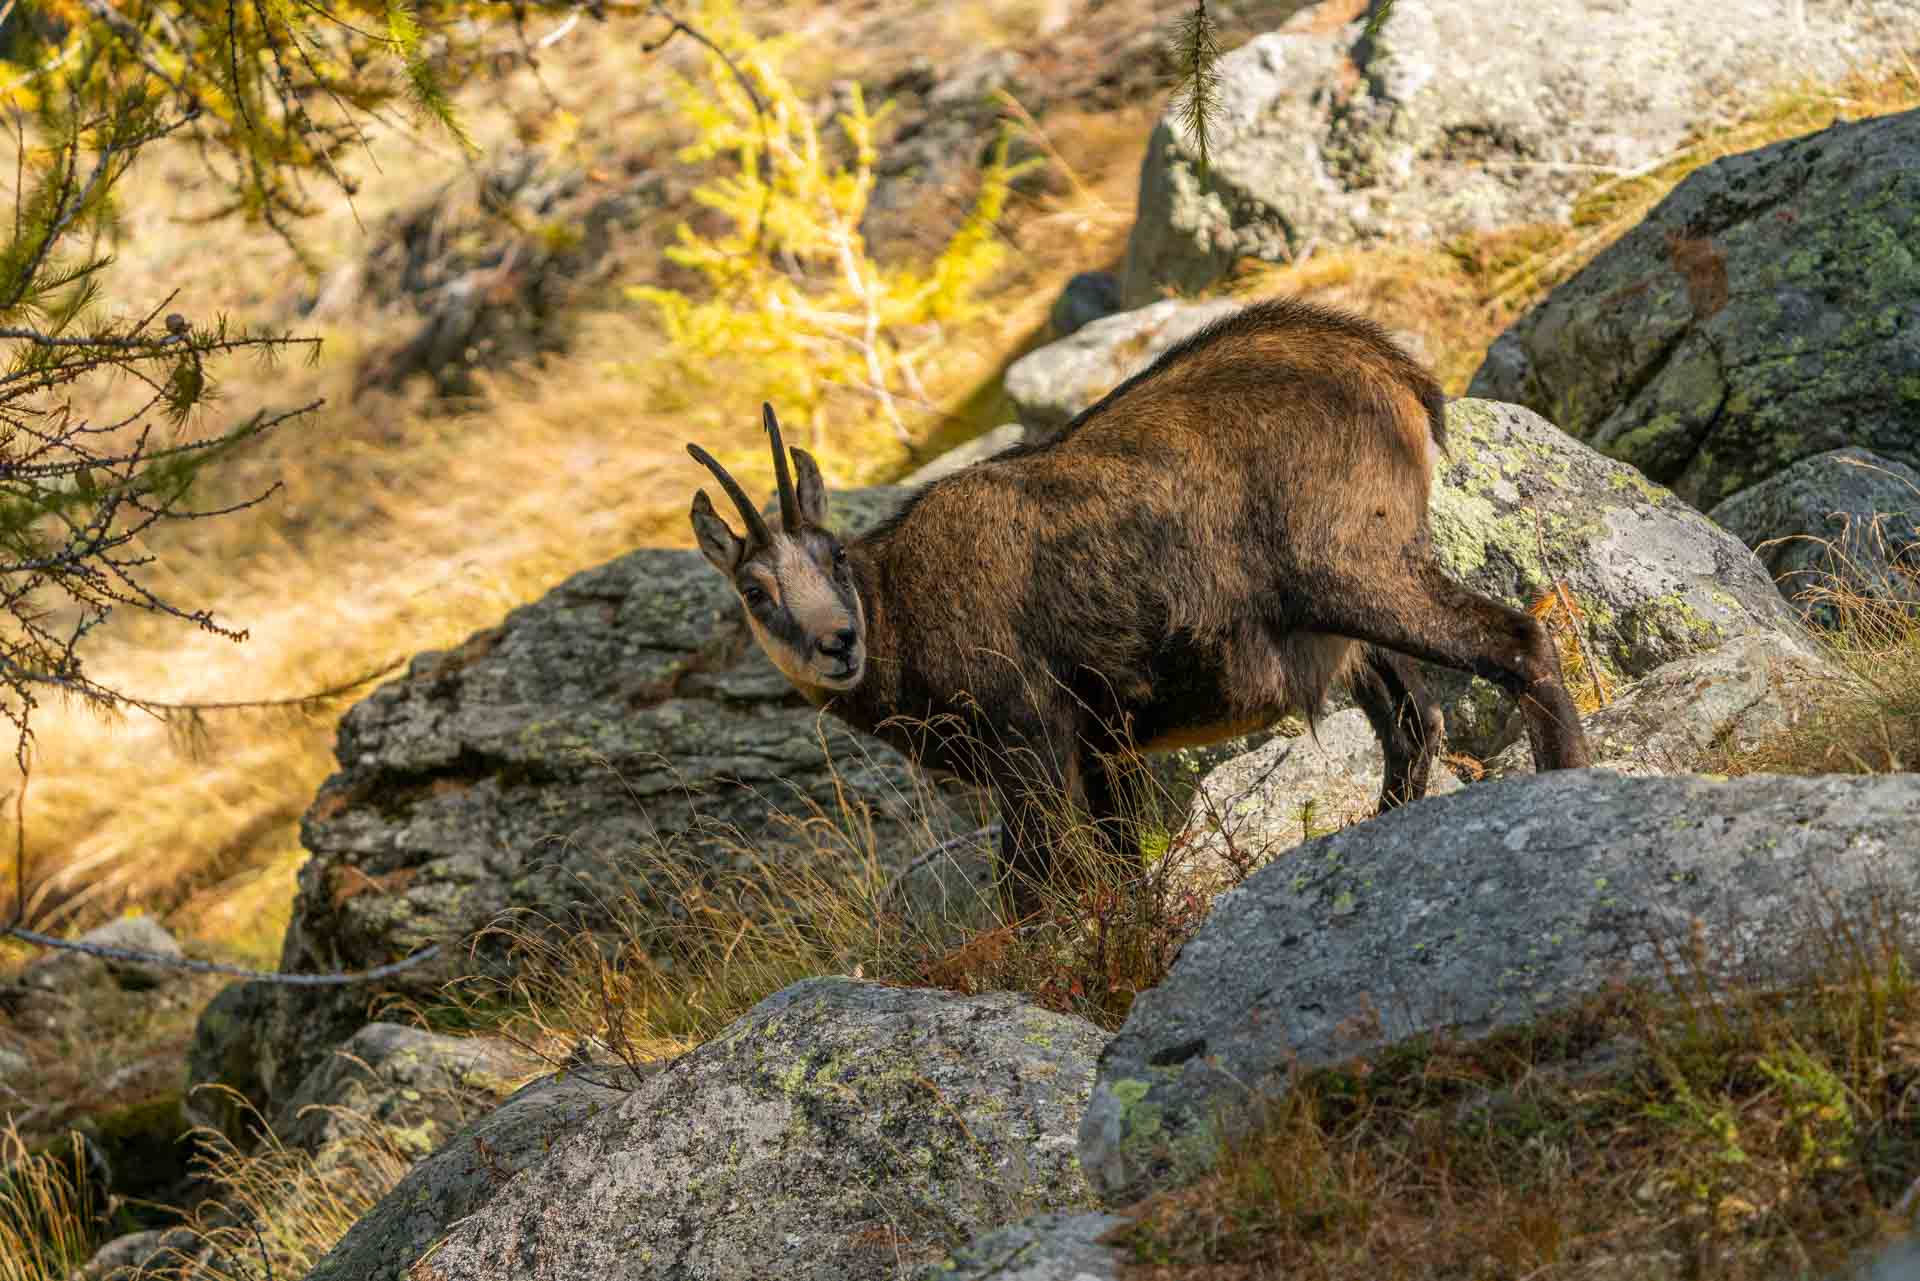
(799, 313)
(1870, 722)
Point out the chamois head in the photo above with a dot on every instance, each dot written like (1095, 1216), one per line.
(794, 582)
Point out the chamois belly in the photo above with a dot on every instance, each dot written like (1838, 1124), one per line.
(1203, 735)
(1205, 693)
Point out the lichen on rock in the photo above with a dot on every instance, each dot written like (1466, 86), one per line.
(836, 1131)
(1761, 314)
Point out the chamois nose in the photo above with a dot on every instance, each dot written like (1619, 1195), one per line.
(838, 645)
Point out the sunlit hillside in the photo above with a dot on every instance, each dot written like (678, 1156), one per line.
(403, 524)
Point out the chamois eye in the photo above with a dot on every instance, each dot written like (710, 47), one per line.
(755, 597)
(839, 557)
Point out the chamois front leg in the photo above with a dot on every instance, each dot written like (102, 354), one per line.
(1040, 784)
(1055, 823)
(1029, 828)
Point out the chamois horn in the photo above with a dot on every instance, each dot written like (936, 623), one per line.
(756, 527)
(789, 505)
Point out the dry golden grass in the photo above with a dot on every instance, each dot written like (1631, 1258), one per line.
(47, 1208)
(278, 1210)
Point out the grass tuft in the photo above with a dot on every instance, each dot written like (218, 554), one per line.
(276, 1211)
(49, 1208)
(1870, 722)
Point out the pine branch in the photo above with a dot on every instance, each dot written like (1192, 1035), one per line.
(1196, 97)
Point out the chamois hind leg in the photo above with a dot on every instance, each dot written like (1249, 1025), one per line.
(1422, 613)
(1404, 718)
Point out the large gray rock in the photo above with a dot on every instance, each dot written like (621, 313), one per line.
(413, 1084)
(1518, 504)
(524, 772)
(1050, 386)
(1729, 699)
(1252, 808)
(462, 1176)
(1045, 1247)
(1843, 520)
(1477, 911)
(839, 1130)
(1458, 117)
(1766, 311)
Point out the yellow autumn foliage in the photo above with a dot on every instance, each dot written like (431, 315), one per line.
(797, 311)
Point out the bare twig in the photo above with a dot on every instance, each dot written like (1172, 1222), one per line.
(107, 952)
(678, 27)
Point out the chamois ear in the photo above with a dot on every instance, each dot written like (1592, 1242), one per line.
(810, 489)
(717, 542)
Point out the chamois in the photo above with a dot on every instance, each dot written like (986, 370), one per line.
(1208, 548)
